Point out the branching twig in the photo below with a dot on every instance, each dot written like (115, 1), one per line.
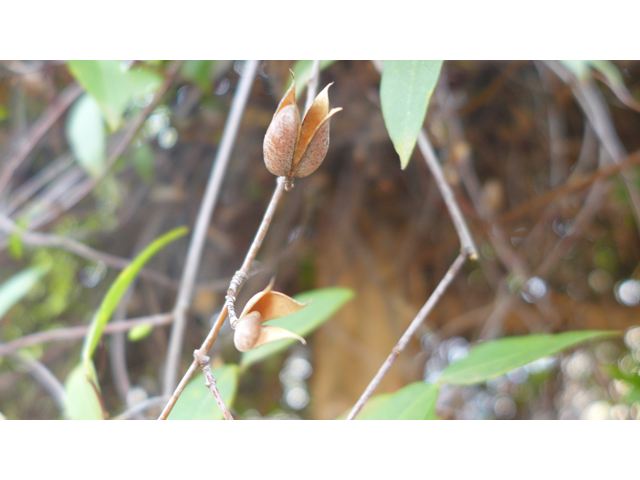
(415, 324)
(466, 240)
(203, 361)
(198, 238)
(79, 332)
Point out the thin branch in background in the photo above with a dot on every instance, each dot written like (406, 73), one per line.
(9, 227)
(141, 407)
(211, 384)
(466, 240)
(312, 84)
(237, 280)
(118, 149)
(73, 333)
(43, 376)
(37, 131)
(413, 328)
(194, 254)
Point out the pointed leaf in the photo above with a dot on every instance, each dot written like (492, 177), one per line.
(493, 359)
(82, 397)
(326, 302)
(86, 134)
(405, 91)
(197, 401)
(119, 287)
(416, 401)
(17, 287)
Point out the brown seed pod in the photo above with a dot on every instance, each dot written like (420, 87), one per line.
(292, 149)
(247, 332)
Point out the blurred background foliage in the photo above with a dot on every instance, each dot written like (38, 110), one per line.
(507, 133)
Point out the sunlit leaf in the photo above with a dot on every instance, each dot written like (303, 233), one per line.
(82, 394)
(495, 358)
(405, 91)
(112, 86)
(302, 70)
(416, 401)
(326, 302)
(580, 68)
(139, 332)
(86, 134)
(119, 287)
(198, 403)
(17, 287)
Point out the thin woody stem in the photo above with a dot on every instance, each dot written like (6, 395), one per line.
(211, 383)
(404, 340)
(466, 240)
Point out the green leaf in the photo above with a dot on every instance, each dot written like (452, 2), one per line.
(302, 70)
(82, 394)
(143, 160)
(139, 332)
(86, 134)
(17, 287)
(198, 72)
(416, 401)
(326, 302)
(119, 287)
(580, 68)
(405, 91)
(111, 86)
(197, 401)
(493, 359)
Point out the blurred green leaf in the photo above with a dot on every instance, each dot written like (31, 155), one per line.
(113, 87)
(86, 134)
(139, 332)
(4, 113)
(493, 359)
(197, 401)
(143, 160)
(119, 287)
(82, 394)
(198, 72)
(326, 302)
(580, 68)
(416, 401)
(17, 287)
(302, 70)
(405, 91)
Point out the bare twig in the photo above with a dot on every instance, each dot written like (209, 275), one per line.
(38, 129)
(413, 327)
(43, 376)
(79, 332)
(192, 262)
(211, 383)
(466, 240)
(49, 240)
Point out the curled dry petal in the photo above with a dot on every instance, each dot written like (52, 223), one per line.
(264, 306)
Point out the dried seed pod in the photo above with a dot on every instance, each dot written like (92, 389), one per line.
(292, 149)
(262, 307)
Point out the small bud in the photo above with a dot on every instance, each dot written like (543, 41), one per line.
(295, 150)
(262, 307)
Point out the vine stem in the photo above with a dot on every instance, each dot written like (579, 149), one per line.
(411, 330)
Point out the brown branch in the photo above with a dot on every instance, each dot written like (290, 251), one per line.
(79, 332)
(413, 328)
(211, 383)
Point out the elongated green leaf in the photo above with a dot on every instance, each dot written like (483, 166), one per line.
(326, 302)
(405, 91)
(120, 285)
(139, 332)
(197, 401)
(302, 70)
(17, 287)
(493, 359)
(82, 394)
(111, 86)
(86, 134)
(416, 401)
